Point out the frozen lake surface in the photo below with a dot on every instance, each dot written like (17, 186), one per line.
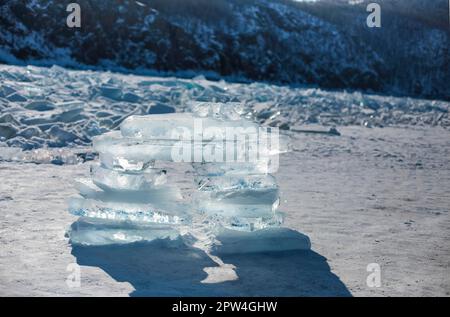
(372, 195)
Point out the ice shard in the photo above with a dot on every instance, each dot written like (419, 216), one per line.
(112, 180)
(92, 231)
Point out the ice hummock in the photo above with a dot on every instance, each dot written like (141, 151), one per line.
(52, 109)
(128, 192)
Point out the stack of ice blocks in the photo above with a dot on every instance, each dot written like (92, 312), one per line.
(237, 192)
(128, 198)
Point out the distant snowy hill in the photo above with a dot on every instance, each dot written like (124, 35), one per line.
(325, 43)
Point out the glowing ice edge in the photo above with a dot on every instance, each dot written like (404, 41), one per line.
(91, 209)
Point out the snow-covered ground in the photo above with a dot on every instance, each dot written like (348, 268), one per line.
(372, 195)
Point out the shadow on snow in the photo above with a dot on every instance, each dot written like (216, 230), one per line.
(172, 268)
